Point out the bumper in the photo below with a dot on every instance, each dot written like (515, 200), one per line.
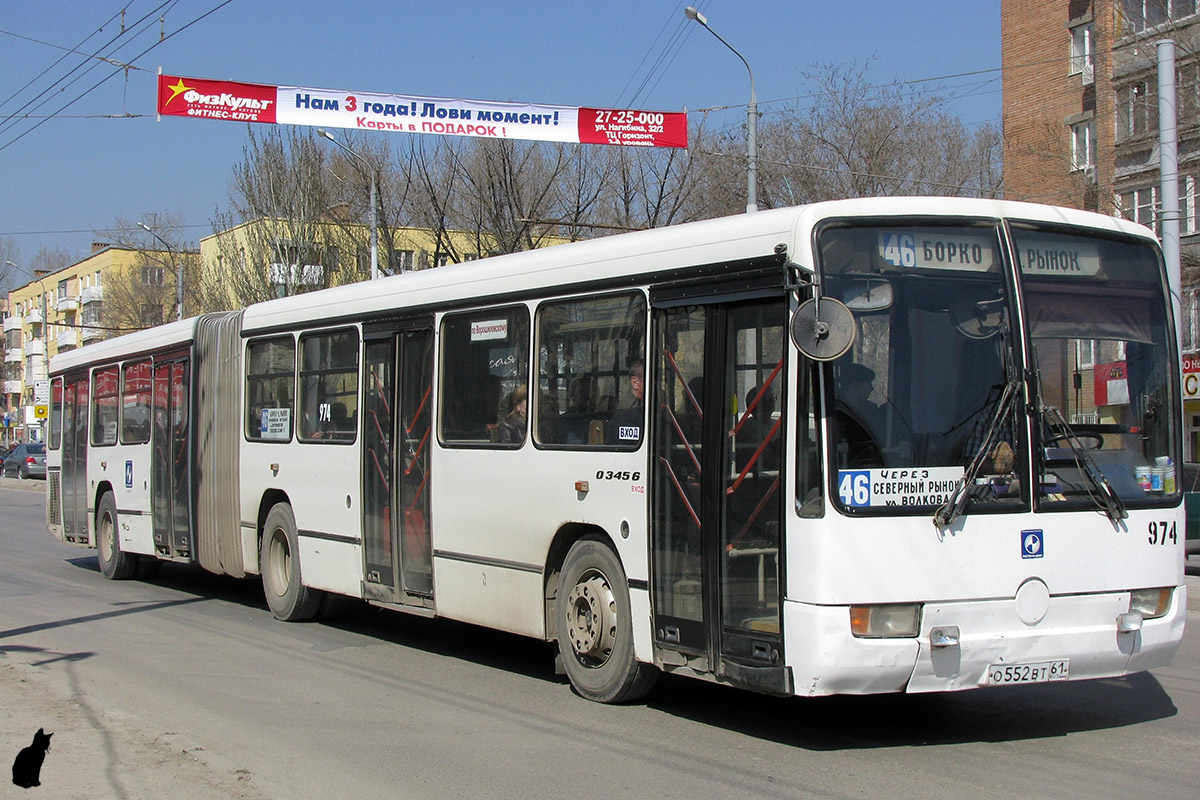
(1081, 629)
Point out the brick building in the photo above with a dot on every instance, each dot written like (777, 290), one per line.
(1080, 115)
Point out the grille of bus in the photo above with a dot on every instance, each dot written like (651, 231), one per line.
(54, 491)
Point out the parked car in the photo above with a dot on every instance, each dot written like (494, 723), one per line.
(26, 461)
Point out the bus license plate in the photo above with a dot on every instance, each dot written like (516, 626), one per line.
(1039, 672)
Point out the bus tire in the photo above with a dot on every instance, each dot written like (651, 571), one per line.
(290, 600)
(114, 565)
(595, 629)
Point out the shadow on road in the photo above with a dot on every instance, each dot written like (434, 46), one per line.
(820, 724)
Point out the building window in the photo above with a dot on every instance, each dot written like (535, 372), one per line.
(1187, 204)
(91, 313)
(1140, 205)
(1191, 317)
(152, 314)
(152, 276)
(1083, 145)
(1081, 53)
(1137, 109)
(1140, 15)
(401, 261)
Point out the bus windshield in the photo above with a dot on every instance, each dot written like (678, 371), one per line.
(919, 392)
(1100, 333)
(932, 390)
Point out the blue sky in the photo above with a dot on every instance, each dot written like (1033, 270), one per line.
(80, 170)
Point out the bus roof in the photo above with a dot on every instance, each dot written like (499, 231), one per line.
(658, 251)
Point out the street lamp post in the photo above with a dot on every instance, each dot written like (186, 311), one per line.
(178, 262)
(751, 117)
(374, 203)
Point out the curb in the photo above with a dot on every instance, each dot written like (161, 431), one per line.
(30, 485)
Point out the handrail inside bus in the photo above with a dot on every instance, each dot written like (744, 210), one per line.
(679, 490)
(683, 382)
(757, 397)
(691, 451)
(754, 458)
(754, 515)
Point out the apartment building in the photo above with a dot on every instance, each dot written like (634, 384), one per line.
(1081, 113)
(55, 312)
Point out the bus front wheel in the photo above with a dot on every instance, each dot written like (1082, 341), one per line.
(595, 632)
(290, 600)
(114, 565)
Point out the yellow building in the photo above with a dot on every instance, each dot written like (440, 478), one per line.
(263, 258)
(60, 311)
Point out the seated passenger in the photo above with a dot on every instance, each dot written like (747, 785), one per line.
(512, 427)
(625, 425)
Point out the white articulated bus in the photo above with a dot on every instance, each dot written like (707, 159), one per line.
(880, 445)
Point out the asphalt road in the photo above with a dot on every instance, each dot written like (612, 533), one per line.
(190, 675)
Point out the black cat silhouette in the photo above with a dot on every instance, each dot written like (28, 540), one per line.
(27, 768)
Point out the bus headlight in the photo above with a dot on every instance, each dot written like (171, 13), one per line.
(1151, 603)
(885, 621)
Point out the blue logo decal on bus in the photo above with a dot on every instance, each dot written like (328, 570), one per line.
(1031, 544)
(128, 474)
(854, 487)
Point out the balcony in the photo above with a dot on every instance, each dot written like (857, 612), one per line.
(88, 334)
(35, 347)
(92, 294)
(34, 316)
(67, 304)
(67, 337)
(14, 355)
(13, 323)
(14, 387)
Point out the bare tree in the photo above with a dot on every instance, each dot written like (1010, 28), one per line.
(282, 186)
(144, 292)
(50, 259)
(855, 140)
(9, 277)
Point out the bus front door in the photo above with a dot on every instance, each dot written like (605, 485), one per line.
(717, 499)
(397, 426)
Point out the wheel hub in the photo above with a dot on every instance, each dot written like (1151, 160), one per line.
(592, 618)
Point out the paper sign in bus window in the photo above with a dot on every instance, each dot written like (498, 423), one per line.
(276, 423)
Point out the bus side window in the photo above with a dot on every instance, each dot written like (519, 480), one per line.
(589, 348)
(485, 373)
(328, 386)
(270, 389)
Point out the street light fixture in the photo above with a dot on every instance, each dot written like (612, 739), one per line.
(751, 117)
(374, 205)
(178, 269)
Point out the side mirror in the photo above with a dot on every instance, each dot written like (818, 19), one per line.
(823, 328)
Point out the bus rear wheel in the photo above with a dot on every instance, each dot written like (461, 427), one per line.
(595, 630)
(279, 556)
(114, 565)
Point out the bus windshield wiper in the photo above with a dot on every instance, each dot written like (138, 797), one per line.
(953, 507)
(1108, 501)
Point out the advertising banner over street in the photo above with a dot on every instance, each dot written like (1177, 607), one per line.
(330, 108)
